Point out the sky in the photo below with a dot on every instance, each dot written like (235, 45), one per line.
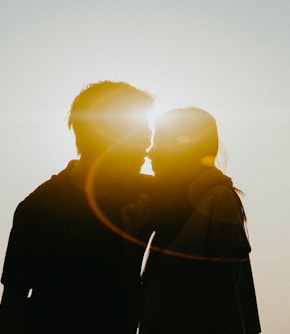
(229, 57)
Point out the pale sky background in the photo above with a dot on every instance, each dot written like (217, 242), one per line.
(230, 57)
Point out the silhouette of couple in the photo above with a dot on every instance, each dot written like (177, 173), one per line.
(76, 245)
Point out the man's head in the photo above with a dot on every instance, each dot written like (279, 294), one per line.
(185, 140)
(107, 114)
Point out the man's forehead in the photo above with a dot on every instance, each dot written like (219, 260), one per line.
(111, 116)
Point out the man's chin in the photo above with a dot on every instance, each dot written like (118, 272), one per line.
(134, 166)
(162, 176)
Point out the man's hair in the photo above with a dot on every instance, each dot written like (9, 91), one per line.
(109, 106)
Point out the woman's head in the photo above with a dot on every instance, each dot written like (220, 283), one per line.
(185, 140)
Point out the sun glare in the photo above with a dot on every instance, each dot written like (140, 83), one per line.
(147, 168)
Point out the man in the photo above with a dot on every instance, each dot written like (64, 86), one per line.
(72, 263)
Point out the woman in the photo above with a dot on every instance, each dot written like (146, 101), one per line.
(198, 278)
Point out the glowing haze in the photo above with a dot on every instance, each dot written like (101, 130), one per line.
(228, 57)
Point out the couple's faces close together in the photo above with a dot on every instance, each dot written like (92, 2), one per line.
(168, 153)
(171, 153)
(178, 141)
(110, 119)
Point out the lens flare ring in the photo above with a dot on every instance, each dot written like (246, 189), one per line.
(110, 225)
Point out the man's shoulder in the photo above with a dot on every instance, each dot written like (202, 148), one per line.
(49, 189)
